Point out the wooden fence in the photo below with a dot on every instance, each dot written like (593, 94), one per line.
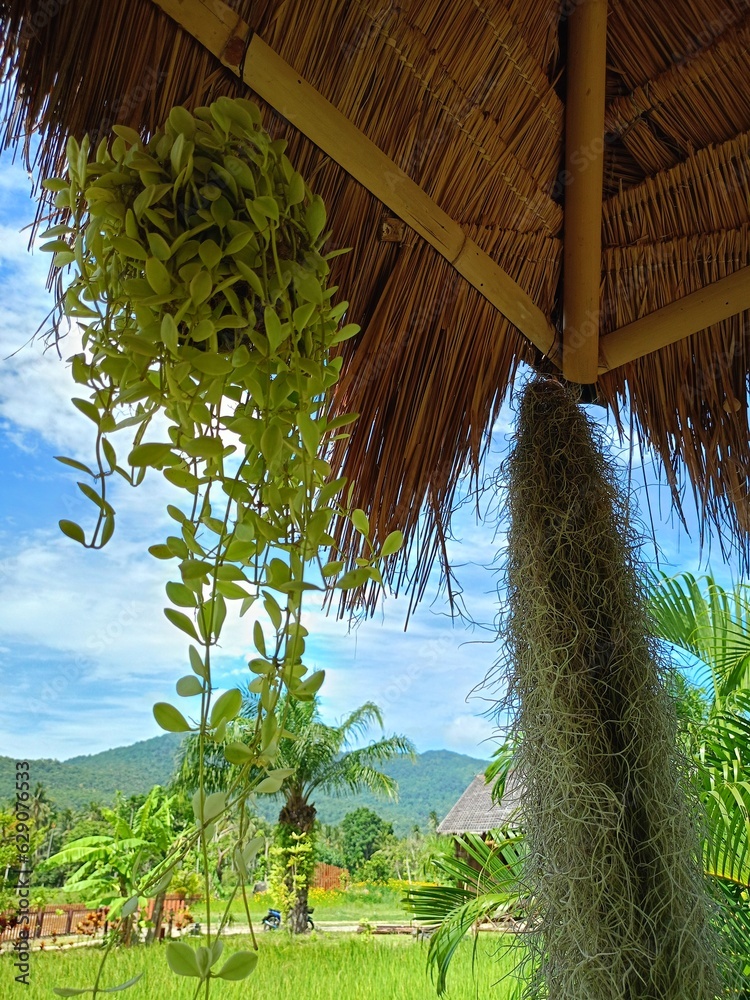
(60, 919)
(330, 877)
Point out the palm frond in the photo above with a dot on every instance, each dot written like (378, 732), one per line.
(356, 770)
(456, 925)
(725, 789)
(490, 887)
(710, 623)
(360, 720)
(499, 768)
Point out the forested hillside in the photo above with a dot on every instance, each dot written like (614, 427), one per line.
(432, 782)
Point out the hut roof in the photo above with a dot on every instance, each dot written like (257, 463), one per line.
(436, 133)
(476, 812)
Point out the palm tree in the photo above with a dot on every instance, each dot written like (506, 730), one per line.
(321, 758)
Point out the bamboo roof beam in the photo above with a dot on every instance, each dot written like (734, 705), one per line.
(217, 27)
(584, 174)
(692, 313)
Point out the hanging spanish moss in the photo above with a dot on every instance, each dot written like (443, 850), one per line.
(613, 834)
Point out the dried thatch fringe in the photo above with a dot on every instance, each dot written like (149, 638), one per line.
(460, 96)
(427, 397)
(694, 104)
(689, 401)
(427, 403)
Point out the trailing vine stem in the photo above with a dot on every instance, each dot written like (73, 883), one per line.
(198, 279)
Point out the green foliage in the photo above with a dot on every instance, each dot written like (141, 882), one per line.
(292, 866)
(430, 781)
(377, 870)
(482, 881)
(712, 626)
(186, 882)
(329, 844)
(74, 783)
(110, 866)
(312, 757)
(408, 859)
(319, 758)
(364, 834)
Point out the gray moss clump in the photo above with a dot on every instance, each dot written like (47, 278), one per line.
(613, 833)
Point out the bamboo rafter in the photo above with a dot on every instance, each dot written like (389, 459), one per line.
(677, 320)
(217, 28)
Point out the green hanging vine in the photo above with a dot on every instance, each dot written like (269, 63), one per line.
(201, 288)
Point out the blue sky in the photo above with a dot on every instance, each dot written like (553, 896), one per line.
(84, 647)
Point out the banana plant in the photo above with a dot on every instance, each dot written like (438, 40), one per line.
(111, 865)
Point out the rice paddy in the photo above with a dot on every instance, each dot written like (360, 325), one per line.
(315, 967)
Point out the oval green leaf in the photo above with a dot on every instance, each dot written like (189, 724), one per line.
(238, 753)
(72, 530)
(189, 686)
(122, 986)
(151, 454)
(238, 966)
(392, 543)
(182, 622)
(181, 959)
(227, 707)
(170, 718)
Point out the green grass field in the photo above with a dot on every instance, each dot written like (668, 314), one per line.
(316, 967)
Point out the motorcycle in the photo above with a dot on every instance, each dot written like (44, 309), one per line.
(272, 920)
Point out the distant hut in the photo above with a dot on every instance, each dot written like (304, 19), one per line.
(475, 811)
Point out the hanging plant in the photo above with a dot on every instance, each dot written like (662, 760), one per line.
(613, 835)
(201, 287)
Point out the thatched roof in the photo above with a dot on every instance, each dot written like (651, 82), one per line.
(466, 104)
(475, 812)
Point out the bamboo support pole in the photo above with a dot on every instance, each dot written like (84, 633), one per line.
(217, 27)
(677, 320)
(584, 166)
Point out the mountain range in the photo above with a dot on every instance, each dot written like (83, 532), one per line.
(430, 783)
